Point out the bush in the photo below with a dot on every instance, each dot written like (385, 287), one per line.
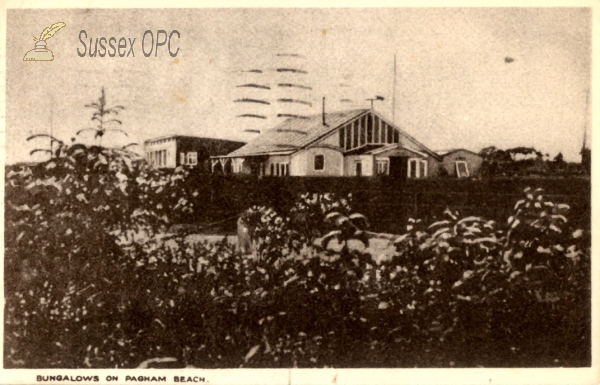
(91, 280)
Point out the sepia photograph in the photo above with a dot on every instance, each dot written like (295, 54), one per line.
(272, 188)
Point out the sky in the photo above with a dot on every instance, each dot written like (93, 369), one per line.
(454, 86)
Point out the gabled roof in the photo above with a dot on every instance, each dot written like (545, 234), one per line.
(177, 136)
(443, 153)
(294, 134)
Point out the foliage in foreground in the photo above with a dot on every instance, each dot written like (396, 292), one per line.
(88, 283)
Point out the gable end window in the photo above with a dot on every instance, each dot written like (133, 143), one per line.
(462, 170)
(319, 162)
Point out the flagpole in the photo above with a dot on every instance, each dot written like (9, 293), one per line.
(51, 122)
(394, 94)
(585, 124)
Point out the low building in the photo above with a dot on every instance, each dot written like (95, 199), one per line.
(348, 143)
(459, 163)
(176, 150)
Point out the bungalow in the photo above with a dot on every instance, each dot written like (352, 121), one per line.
(348, 143)
(177, 150)
(460, 163)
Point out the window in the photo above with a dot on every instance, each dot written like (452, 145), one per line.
(383, 167)
(422, 169)
(348, 143)
(319, 162)
(192, 158)
(417, 168)
(282, 169)
(462, 170)
(363, 131)
(369, 129)
(412, 168)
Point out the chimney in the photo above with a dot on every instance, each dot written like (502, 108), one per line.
(324, 122)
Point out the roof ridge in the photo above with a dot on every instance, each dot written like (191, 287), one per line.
(317, 115)
(301, 133)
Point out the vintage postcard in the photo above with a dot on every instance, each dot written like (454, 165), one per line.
(304, 193)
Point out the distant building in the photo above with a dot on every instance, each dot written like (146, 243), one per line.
(176, 150)
(349, 143)
(460, 163)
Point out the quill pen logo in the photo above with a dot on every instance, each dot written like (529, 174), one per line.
(41, 52)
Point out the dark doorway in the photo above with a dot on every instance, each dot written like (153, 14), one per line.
(257, 165)
(358, 168)
(255, 168)
(227, 169)
(218, 169)
(398, 167)
(203, 159)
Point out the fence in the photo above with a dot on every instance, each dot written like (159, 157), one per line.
(387, 202)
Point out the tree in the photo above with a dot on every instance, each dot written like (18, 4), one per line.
(100, 116)
(523, 151)
(511, 162)
(559, 159)
(494, 155)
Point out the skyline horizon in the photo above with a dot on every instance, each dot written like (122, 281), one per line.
(138, 147)
(466, 77)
